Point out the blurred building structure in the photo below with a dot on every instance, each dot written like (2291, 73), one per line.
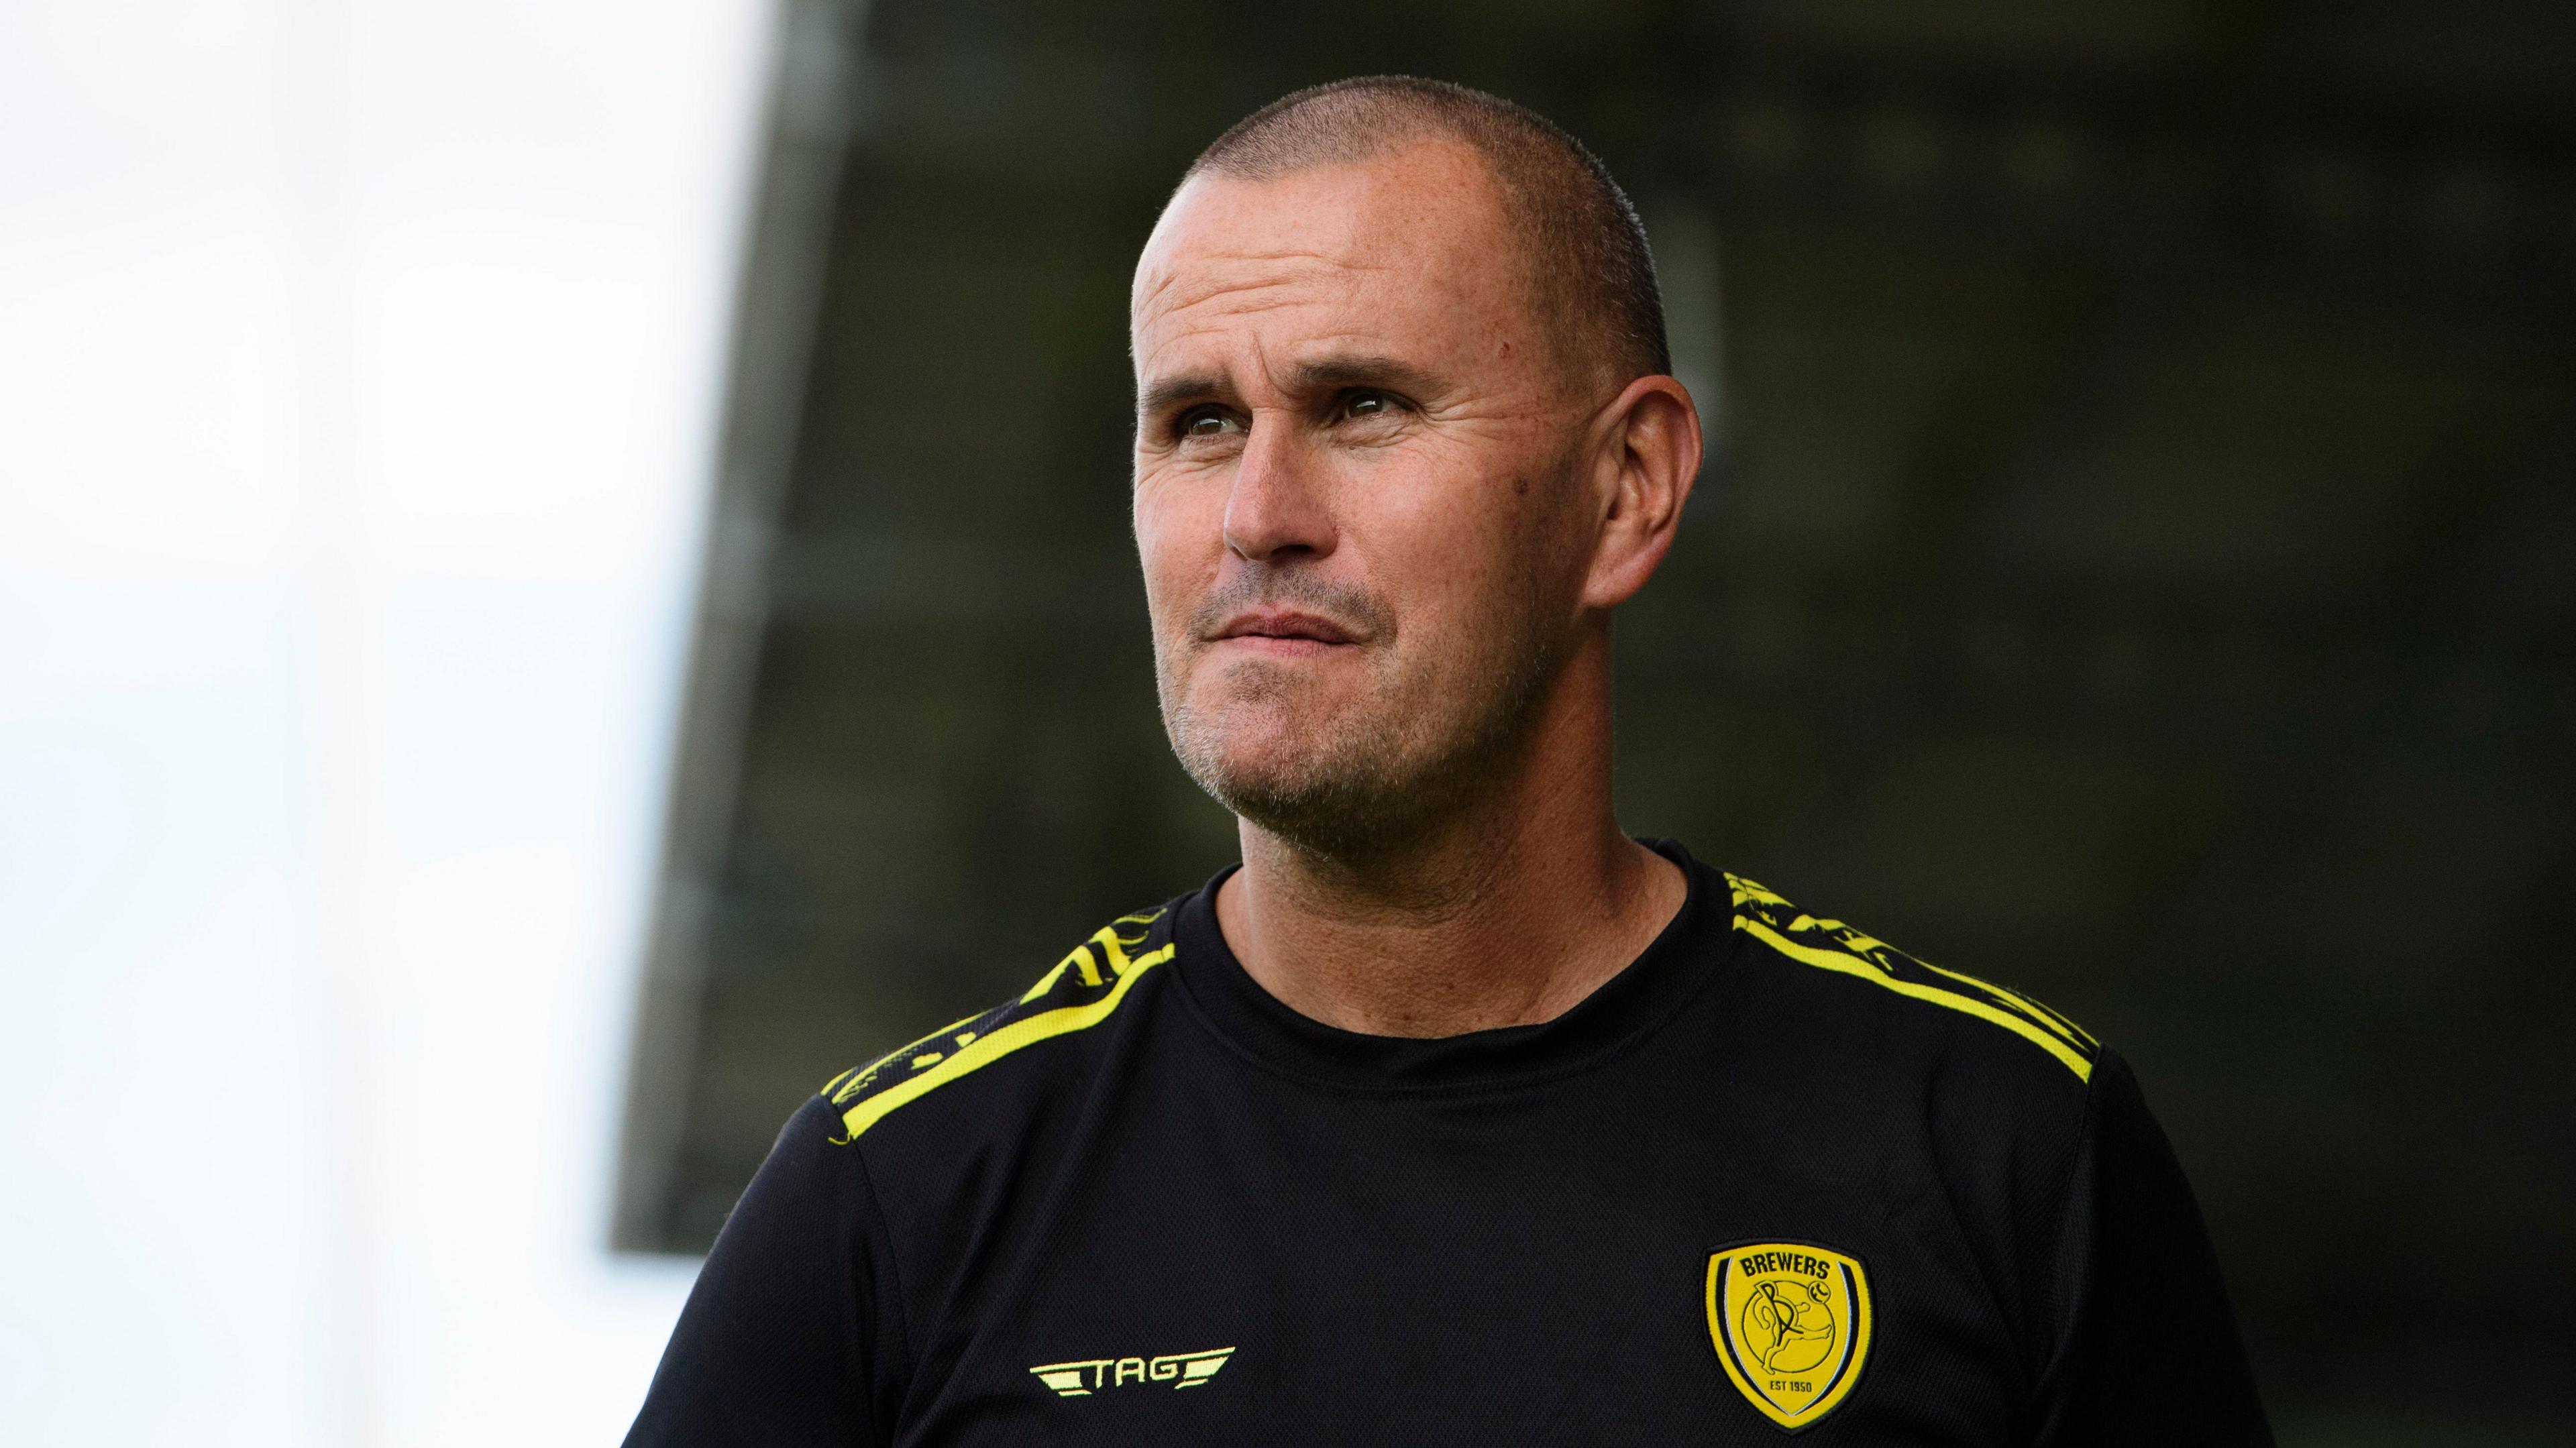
(2135, 566)
(359, 366)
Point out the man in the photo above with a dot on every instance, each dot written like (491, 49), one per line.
(1453, 1115)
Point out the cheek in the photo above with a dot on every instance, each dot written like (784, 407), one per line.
(1450, 554)
(1180, 533)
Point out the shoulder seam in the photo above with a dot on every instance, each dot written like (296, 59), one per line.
(894, 1266)
(1839, 948)
(1081, 991)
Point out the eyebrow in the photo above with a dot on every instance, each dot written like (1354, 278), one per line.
(1165, 393)
(1365, 370)
(1324, 374)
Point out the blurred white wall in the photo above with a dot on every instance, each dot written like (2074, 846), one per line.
(359, 363)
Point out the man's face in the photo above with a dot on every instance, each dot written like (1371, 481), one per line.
(1361, 546)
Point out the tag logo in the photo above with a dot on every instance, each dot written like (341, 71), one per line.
(1180, 1369)
(1792, 1324)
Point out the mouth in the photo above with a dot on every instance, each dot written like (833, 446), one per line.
(1284, 631)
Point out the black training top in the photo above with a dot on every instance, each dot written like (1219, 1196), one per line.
(1774, 1177)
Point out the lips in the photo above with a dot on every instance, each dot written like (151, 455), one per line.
(1284, 627)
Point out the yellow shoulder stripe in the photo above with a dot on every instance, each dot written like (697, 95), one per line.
(1112, 947)
(2039, 1010)
(1853, 965)
(858, 1075)
(931, 1069)
(1872, 949)
(1846, 951)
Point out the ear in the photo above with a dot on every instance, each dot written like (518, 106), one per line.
(1647, 457)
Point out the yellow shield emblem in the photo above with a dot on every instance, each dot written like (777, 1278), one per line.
(1792, 1324)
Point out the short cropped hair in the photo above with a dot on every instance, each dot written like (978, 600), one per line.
(1584, 248)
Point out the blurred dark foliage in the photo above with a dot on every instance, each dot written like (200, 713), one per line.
(2136, 567)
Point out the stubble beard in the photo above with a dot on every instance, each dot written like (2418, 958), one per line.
(1417, 749)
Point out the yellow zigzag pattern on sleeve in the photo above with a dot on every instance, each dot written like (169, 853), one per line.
(1081, 991)
(1832, 945)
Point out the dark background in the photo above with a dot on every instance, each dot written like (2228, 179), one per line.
(2134, 566)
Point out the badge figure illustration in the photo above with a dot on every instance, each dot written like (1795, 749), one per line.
(1791, 1327)
(1452, 1114)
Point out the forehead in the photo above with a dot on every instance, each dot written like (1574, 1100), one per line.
(1406, 249)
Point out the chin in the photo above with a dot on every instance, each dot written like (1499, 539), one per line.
(1316, 782)
(1334, 769)
(1257, 753)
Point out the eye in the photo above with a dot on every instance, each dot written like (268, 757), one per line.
(1207, 422)
(1368, 406)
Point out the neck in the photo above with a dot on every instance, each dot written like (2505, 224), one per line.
(1506, 911)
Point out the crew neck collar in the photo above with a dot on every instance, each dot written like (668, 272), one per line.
(1636, 1000)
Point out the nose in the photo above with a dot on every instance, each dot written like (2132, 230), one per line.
(1275, 512)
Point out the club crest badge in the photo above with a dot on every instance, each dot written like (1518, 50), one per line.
(1792, 1324)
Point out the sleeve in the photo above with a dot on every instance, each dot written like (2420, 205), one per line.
(2148, 1351)
(780, 1340)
